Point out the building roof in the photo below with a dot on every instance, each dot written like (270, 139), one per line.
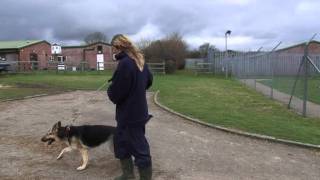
(86, 45)
(18, 44)
(297, 45)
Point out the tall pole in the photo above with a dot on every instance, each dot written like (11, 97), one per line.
(226, 38)
(228, 32)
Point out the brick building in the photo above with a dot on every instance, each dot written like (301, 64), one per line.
(89, 55)
(38, 54)
(314, 48)
(287, 61)
(26, 55)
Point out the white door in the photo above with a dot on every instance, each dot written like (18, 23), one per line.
(100, 62)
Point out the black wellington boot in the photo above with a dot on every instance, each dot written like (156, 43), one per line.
(145, 173)
(127, 169)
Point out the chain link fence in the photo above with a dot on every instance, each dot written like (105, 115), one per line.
(292, 78)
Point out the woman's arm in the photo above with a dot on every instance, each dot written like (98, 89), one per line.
(150, 78)
(121, 84)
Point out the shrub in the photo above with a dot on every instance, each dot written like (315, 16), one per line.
(171, 48)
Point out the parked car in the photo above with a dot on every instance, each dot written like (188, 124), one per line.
(4, 66)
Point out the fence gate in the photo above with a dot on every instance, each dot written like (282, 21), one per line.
(157, 67)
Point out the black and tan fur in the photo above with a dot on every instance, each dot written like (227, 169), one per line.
(80, 138)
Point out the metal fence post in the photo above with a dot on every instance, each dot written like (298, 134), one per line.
(272, 76)
(304, 63)
(305, 89)
(272, 67)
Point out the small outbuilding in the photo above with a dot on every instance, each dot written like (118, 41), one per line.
(25, 55)
(92, 56)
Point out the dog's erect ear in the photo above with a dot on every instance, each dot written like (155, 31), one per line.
(56, 125)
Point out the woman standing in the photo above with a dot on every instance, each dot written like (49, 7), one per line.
(128, 91)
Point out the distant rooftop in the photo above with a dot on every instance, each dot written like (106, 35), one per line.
(86, 45)
(17, 44)
(297, 45)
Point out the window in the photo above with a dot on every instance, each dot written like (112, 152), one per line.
(60, 59)
(99, 49)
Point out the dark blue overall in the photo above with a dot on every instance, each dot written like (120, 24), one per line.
(128, 92)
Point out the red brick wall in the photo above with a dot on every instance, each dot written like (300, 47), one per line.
(43, 51)
(314, 48)
(91, 56)
(75, 55)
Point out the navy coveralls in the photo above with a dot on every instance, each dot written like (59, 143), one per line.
(128, 92)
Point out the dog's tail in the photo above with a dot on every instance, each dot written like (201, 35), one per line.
(111, 144)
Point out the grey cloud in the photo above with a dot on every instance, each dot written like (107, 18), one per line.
(265, 21)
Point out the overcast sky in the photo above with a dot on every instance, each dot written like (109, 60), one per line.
(254, 23)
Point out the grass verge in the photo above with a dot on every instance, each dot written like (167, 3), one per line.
(285, 85)
(215, 100)
(230, 104)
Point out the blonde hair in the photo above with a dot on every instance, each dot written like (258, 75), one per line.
(123, 43)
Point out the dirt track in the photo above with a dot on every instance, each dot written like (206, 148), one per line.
(180, 149)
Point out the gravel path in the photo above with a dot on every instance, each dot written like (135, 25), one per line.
(180, 149)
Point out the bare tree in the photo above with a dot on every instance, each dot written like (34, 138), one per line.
(204, 48)
(143, 43)
(96, 37)
(172, 49)
(176, 49)
(193, 53)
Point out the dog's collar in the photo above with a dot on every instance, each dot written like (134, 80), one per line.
(67, 134)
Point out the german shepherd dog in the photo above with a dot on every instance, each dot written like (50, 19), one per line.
(80, 138)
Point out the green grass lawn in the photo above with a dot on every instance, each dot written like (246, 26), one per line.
(19, 92)
(43, 82)
(228, 103)
(285, 84)
(215, 100)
